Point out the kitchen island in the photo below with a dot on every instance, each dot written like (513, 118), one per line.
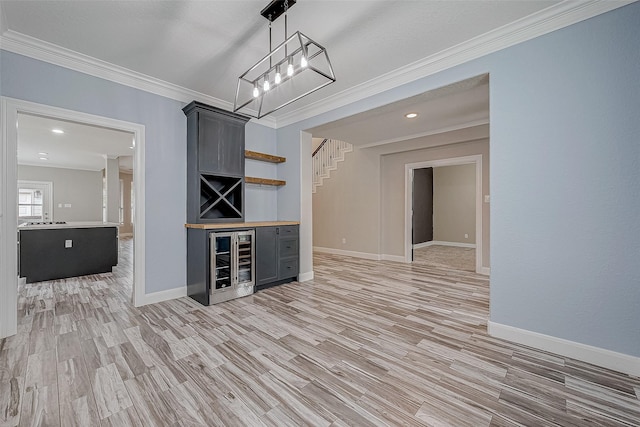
(49, 251)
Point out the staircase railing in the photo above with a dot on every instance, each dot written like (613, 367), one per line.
(319, 147)
(326, 158)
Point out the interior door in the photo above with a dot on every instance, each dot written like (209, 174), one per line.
(422, 219)
(34, 201)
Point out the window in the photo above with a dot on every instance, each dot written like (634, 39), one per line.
(30, 203)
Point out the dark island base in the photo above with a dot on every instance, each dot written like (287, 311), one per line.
(43, 256)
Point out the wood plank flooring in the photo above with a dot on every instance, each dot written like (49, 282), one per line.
(441, 256)
(366, 344)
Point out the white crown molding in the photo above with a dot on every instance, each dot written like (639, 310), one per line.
(55, 166)
(545, 21)
(22, 44)
(537, 24)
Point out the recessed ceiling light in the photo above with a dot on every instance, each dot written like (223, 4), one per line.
(42, 153)
(43, 158)
(411, 115)
(59, 131)
(132, 147)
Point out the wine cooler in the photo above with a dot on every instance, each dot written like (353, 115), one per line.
(232, 272)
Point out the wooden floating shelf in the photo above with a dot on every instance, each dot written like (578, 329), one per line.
(263, 157)
(264, 181)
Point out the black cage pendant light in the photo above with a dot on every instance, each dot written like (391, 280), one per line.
(294, 69)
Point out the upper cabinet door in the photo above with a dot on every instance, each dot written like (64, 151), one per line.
(221, 144)
(215, 164)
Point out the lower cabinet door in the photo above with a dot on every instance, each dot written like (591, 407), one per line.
(288, 268)
(266, 255)
(288, 247)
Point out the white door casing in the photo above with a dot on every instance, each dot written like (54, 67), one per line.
(9, 110)
(474, 159)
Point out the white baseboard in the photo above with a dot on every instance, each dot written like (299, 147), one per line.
(364, 255)
(619, 362)
(441, 243)
(484, 271)
(160, 296)
(305, 277)
(395, 258)
(423, 245)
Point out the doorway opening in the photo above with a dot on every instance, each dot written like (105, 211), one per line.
(412, 171)
(12, 112)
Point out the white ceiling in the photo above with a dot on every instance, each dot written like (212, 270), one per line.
(457, 106)
(205, 45)
(79, 147)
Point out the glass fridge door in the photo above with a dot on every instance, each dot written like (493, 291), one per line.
(221, 256)
(245, 257)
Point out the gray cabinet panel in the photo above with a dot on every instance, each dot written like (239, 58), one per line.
(288, 268)
(288, 230)
(266, 255)
(221, 145)
(198, 265)
(215, 164)
(288, 246)
(277, 252)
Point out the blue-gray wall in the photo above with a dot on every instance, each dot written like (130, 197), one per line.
(165, 152)
(565, 178)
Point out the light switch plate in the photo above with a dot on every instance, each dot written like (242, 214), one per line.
(67, 205)
(68, 243)
(487, 198)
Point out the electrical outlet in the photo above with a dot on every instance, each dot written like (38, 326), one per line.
(487, 198)
(344, 241)
(466, 236)
(67, 205)
(68, 243)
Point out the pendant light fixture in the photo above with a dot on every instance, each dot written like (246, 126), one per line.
(294, 69)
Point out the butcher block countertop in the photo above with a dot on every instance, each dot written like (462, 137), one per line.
(242, 224)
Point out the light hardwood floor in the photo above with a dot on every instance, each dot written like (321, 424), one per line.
(441, 256)
(365, 343)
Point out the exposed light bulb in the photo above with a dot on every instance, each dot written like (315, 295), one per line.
(303, 61)
(278, 77)
(266, 86)
(290, 69)
(256, 91)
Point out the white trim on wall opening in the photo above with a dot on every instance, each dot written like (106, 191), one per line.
(9, 110)
(408, 187)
